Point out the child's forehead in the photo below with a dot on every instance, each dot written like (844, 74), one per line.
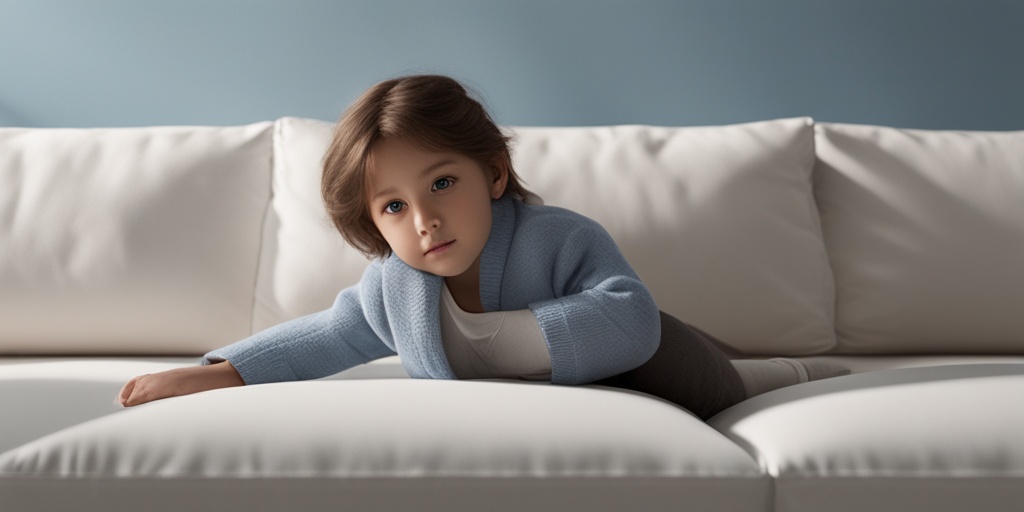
(406, 148)
(400, 158)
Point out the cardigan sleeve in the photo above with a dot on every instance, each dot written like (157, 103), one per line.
(604, 320)
(308, 347)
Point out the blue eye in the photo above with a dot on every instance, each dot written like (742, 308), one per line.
(443, 183)
(393, 207)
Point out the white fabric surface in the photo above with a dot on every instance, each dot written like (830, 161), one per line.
(863, 364)
(495, 345)
(947, 430)
(689, 207)
(691, 214)
(473, 432)
(129, 240)
(39, 396)
(396, 428)
(925, 231)
(304, 262)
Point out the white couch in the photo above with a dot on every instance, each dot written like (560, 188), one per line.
(897, 252)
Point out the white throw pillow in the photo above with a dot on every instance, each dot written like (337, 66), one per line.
(719, 222)
(129, 240)
(925, 231)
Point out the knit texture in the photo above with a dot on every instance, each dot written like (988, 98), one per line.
(597, 316)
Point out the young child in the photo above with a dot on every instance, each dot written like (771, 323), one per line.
(471, 277)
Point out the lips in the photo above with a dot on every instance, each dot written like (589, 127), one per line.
(438, 246)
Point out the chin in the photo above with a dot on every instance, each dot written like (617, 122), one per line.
(437, 270)
(448, 270)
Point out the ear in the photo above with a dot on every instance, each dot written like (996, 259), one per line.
(499, 177)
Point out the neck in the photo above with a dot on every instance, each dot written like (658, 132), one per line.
(465, 288)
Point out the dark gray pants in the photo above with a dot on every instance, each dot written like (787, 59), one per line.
(690, 369)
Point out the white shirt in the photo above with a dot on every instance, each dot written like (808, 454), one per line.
(496, 345)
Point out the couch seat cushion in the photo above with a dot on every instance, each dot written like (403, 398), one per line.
(931, 438)
(41, 395)
(465, 444)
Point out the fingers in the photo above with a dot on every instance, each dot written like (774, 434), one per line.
(149, 387)
(126, 391)
(177, 382)
(131, 394)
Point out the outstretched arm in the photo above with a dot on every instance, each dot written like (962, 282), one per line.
(307, 347)
(177, 382)
(312, 346)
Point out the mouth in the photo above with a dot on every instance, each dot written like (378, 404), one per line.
(439, 246)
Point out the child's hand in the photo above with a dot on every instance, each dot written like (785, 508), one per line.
(177, 382)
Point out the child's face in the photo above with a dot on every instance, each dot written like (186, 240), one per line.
(434, 209)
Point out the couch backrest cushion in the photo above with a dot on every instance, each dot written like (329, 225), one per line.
(304, 262)
(718, 221)
(129, 240)
(925, 231)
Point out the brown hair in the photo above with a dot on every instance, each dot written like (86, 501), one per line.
(434, 112)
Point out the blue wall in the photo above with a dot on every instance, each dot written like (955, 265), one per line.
(943, 64)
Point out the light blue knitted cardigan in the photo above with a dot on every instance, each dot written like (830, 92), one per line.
(597, 317)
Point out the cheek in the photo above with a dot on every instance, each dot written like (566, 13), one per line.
(398, 237)
(390, 235)
(387, 232)
(482, 219)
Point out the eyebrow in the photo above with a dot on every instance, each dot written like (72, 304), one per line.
(433, 167)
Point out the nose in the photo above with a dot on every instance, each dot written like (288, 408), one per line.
(427, 221)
